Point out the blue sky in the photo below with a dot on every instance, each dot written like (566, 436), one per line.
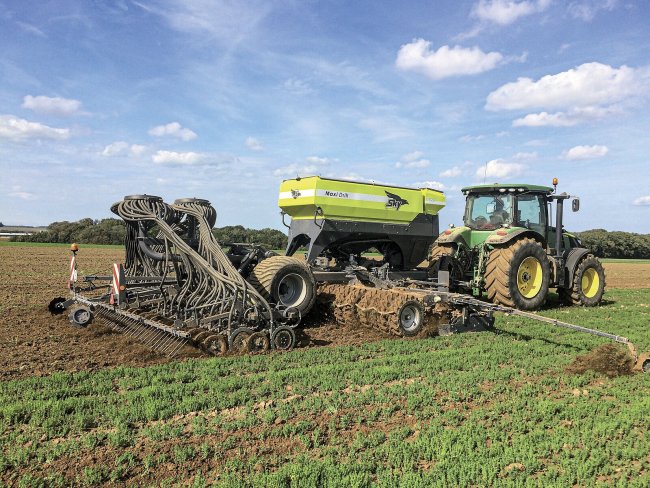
(224, 99)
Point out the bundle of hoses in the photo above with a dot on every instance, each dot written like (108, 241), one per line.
(210, 293)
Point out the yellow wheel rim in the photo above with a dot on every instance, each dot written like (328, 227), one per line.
(590, 282)
(529, 277)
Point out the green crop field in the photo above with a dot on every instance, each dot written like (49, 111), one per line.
(485, 409)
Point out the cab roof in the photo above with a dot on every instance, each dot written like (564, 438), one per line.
(507, 186)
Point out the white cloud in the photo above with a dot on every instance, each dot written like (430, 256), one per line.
(228, 21)
(559, 119)
(121, 148)
(412, 156)
(296, 170)
(420, 163)
(588, 85)
(317, 160)
(499, 168)
(31, 29)
(413, 160)
(60, 107)
(452, 172)
(468, 138)
(525, 156)
(173, 129)
(353, 177)
(254, 144)
(314, 167)
(587, 10)
(446, 61)
(566, 119)
(16, 129)
(137, 149)
(435, 185)
(505, 12)
(177, 158)
(23, 195)
(585, 152)
(297, 87)
(386, 128)
(645, 200)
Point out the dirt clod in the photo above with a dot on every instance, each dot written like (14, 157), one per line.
(607, 359)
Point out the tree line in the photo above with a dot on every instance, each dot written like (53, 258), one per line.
(604, 244)
(616, 244)
(113, 231)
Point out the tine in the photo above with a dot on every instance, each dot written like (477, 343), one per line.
(177, 347)
(149, 335)
(162, 339)
(158, 336)
(168, 343)
(136, 331)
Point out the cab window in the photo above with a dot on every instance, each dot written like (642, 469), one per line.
(530, 212)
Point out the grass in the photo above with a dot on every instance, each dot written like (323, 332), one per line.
(486, 409)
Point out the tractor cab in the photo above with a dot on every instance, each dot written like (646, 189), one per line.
(491, 207)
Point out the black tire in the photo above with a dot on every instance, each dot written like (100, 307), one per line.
(588, 284)
(285, 280)
(284, 338)
(441, 258)
(437, 253)
(518, 275)
(55, 306)
(410, 318)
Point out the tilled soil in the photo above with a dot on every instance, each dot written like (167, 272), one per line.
(609, 359)
(35, 343)
(627, 275)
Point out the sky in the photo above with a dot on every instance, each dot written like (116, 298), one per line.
(222, 100)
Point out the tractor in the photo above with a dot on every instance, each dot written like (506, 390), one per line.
(509, 249)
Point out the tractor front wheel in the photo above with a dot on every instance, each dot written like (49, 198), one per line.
(588, 284)
(518, 275)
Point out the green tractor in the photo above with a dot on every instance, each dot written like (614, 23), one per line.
(509, 249)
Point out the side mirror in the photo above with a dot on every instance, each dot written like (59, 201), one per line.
(575, 204)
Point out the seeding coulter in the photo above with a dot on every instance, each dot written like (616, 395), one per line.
(367, 262)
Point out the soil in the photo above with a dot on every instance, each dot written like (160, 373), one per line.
(35, 343)
(609, 359)
(627, 275)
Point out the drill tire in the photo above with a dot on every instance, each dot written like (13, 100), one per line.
(285, 280)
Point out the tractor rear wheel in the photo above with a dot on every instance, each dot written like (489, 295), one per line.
(285, 280)
(588, 284)
(439, 260)
(437, 253)
(518, 275)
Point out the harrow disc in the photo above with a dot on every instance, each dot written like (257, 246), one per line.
(217, 345)
(258, 342)
(80, 316)
(239, 338)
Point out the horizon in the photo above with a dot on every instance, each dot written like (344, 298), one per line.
(223, 100)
